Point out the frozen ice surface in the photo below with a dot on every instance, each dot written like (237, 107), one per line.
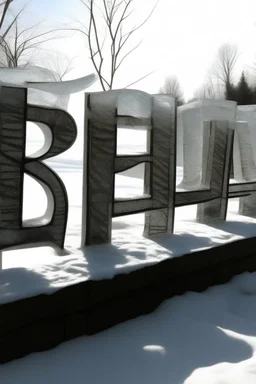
(44, 86)
(133, 107)
(248, 113)
(134, 103)
(244, 161)
(20, 76)
(190, 124)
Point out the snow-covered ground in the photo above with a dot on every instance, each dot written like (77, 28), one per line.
(206, 338)
(33, 270)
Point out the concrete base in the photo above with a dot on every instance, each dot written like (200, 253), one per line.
(42, 322)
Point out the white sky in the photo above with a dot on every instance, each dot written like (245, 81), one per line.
(181, 38)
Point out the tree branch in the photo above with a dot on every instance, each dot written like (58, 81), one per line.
(141, 78)
(115, 13)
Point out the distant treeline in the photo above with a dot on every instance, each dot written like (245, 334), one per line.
(243, 93)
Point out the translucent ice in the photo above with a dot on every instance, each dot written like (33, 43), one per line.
(44, 86)
(191, 119)
(248, 113)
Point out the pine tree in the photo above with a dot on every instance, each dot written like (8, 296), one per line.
(254, 95)
(244, 91)
(231, 92)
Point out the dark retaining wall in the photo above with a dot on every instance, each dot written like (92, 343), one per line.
(42, 322)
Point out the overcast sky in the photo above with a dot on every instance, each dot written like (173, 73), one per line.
(181, 38)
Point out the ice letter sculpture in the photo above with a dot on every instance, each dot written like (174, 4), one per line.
(60, 132)
(137, 110)
(247, 113)
(191, 119)
(244, 162)
(14, 112)
(212, 193)
(44, 86)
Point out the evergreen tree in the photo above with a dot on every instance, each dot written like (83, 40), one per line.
(231, 92)
(244, 91)
(254, 95)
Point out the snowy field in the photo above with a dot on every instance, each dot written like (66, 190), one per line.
(34, 270)
(43, 269)
(206, 338)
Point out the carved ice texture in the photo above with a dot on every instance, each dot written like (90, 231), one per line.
(244, 161)
(247, 113)
(44, 86)
(108, 111)
(190, 126)
(44, 89)
(212, 195)
(14, 112)
(218, 150)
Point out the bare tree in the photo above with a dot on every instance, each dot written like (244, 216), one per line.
(172, 87)
(218, 84)
(59, 63)
(251, 74)
(108, 37)
(212, 89)
(3, 10)
(7, 24)
(19, 45)
(4, 6)
(225, 63)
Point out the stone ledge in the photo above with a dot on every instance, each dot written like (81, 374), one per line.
(39, 323)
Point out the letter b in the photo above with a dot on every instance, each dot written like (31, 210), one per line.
(14, 112)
